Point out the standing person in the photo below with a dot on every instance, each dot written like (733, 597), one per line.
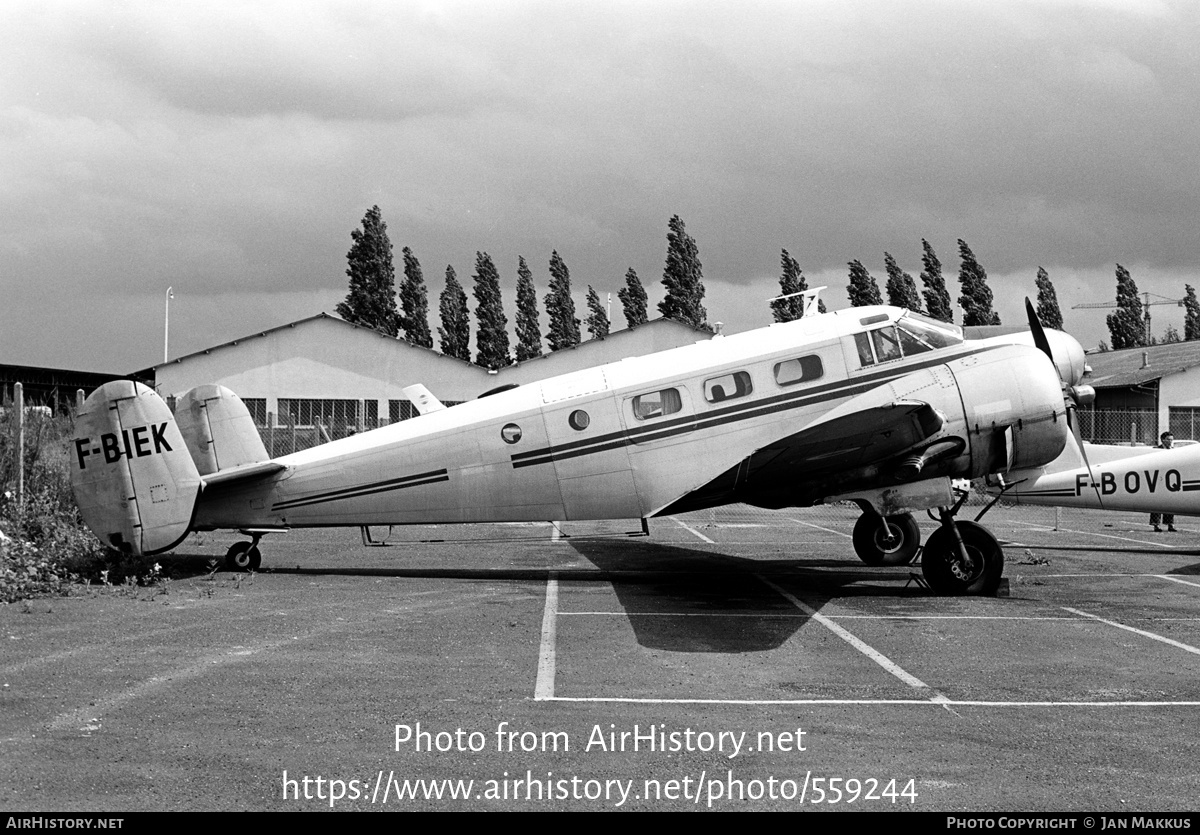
(1165, 441)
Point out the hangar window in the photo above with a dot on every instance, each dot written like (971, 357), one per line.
(311, 412)
(257, 407)
(657, 404)
(727, 387)
(801, 370)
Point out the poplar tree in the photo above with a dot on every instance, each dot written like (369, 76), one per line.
(529, 331)
(597, 320)
(1126, 325)
(862, 289)
(901, 289)
(372, 297)
(633, 300)
(491, 330)
(937, 297)
(455, 331)
(1191, 316)
(560, 307)
(683, 278)
(790, 281)
(976, 298)
(414, 303)
(1047, 302)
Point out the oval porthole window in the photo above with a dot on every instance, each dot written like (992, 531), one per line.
(511, 433)
(579, 420)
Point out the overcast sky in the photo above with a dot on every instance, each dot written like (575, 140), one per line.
(228, 149)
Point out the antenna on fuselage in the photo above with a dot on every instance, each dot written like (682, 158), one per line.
(811, 306)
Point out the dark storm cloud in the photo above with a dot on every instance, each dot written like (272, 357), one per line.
(230, 148)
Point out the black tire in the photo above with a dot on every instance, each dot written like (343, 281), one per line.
(897, 545)
(943, 569)
(243, 556)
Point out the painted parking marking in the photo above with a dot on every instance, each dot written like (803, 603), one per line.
(1176, 580)
(818, 527)
(1142, 632)
(1093, 533)
(547, 660)
(693, 531)
(879, 658)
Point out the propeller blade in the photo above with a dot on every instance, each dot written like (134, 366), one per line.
(1039, 333)
(1074, 424)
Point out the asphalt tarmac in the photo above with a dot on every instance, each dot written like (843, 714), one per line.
(732, 660)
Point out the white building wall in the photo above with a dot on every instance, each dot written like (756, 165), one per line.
(326, 358)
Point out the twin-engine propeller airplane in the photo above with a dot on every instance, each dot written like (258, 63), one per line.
(1143, 479)
(873, 405)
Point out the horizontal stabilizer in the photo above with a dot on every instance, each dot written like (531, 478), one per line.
(423, 399)
(244, 472)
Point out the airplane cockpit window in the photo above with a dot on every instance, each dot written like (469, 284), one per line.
(727, 387)
(800, 370)
(887, 344)
(657, 404)
(931, 332)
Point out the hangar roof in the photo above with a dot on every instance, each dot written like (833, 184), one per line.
(1133, 366)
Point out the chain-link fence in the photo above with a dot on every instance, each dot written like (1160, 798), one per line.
(1119, 426)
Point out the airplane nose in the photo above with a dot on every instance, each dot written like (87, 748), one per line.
(1068, 356)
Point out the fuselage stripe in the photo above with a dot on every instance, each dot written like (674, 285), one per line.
(742, 411)
(431, 477)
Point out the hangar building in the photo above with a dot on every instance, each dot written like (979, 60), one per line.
(327, 373)
(1141, 392)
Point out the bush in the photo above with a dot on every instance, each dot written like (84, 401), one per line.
(44, 544)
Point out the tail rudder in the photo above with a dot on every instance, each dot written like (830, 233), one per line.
(133, 477)
(218, 430)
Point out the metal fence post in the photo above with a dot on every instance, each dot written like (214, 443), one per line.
(19, 416)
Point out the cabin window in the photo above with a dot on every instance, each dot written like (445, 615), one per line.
(800, 370)
(579, 420)
(657, 404)
(511, 433)
(727, 387)
(865, 355)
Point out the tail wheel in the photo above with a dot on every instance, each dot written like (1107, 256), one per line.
(243, 556)
(946, 571)
(891, 540)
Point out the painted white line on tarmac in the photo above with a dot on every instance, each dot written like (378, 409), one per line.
(876, 656)
(803, 615)
(693, 531)
(1142, 632)
(1177, 580)
(544, 688)
(1092, 533)
(818, 527)
(942, 702)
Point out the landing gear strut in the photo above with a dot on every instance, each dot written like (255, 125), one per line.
(886, 540)
(962, 558)
(243, 556)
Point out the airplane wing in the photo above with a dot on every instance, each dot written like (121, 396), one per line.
(840, 450)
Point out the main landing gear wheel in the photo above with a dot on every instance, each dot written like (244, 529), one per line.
(890, 540)
(947, 573)
(243, 556)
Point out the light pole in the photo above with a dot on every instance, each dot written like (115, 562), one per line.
(167, 320)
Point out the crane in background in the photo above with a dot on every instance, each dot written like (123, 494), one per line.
(1146, 304)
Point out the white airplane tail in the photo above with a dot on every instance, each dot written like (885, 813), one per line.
(133, 476)
(139, 470)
